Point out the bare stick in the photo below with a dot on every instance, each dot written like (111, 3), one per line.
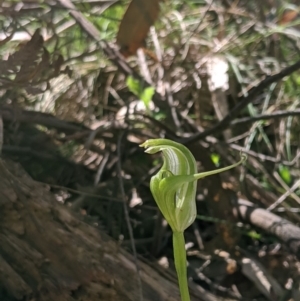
(280, 227)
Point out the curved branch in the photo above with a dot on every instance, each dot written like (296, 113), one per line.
(275, 115)
(243, 102)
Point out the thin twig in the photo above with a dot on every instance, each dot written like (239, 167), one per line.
(144, 69)
(101, 168)
(261, 157)
(275, 115)
(286, 187)
(127, 218)
(284, 196)
(201, 19)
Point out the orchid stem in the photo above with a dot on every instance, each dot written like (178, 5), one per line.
(180, 264)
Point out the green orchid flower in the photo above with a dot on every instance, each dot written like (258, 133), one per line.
(174, 190)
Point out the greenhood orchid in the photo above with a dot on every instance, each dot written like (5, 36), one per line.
(174, 190)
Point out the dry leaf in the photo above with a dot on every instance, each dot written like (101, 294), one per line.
(24, 60)
(31, 66)
(133, 30)
(288, 17)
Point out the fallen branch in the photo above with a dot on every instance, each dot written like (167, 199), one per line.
(271, 223)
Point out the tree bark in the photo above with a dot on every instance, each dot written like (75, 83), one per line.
(47, 253)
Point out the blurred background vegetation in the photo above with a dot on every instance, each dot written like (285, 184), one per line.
(83, 83)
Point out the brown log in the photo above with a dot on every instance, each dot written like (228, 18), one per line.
(48, 253)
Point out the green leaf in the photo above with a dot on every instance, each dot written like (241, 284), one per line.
(146, 96)
(285, 174)
(134, 86)
(253, 234)
(215, 158)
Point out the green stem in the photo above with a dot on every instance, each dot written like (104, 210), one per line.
(180, 264)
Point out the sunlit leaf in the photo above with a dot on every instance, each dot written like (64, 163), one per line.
(133, 30)
(285, 174)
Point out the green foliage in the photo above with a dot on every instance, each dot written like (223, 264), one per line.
(285, 174)
(215, 158)
(137, 89)
(134, 86)
(108, 22)
(254, 235)
(147, 95)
